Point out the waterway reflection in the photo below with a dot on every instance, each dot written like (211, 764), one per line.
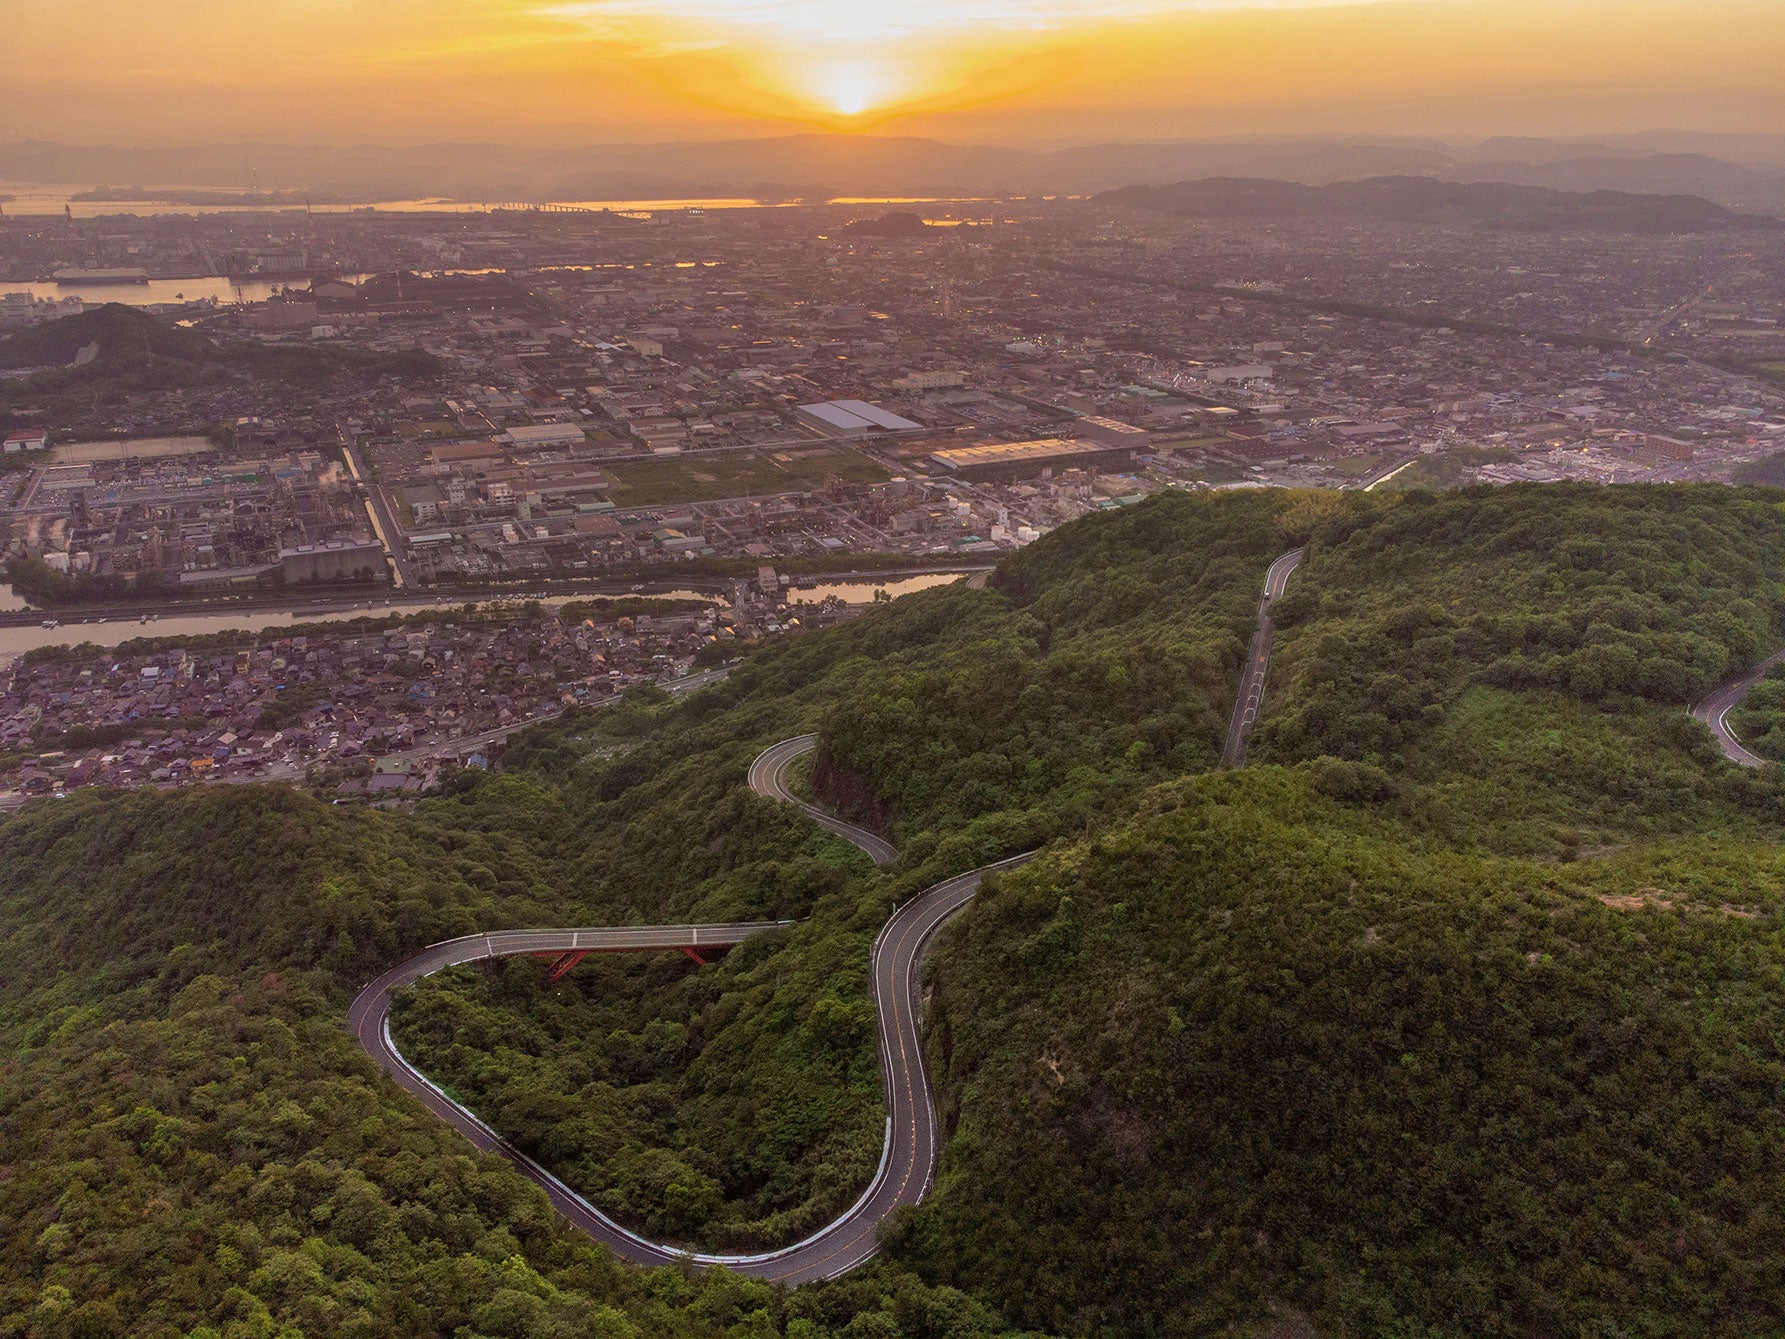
(72, 631)
(861, 592)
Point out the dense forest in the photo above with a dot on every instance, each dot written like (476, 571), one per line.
(1759, 721)
(1451, 1015)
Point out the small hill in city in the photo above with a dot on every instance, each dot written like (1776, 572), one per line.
(115, 334)
(896, 223)
(119, 349)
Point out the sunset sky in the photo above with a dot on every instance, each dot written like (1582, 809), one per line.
(1008, 71)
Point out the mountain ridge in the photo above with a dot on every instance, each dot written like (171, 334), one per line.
(1401, 199)
(1747, 173)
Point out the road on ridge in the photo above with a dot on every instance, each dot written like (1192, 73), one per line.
(1258, 662)
(908, 1155)
(1713, 710)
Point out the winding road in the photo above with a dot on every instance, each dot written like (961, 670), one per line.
(908, 1155)
(1713, 711)
(768, 776)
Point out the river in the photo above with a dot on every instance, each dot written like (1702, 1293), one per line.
(156, 292)
(38, 198)
(862, 592)
(72, 630)
(224, 290)
(15, 641)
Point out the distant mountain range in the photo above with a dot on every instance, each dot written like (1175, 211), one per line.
(1424, 200)
(1738, 171)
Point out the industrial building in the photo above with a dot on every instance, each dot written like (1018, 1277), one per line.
(545, 434)
(852, 418)
(331, 560)
(1113, 432)
(1028, 459)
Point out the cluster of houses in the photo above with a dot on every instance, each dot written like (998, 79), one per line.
(372, 711)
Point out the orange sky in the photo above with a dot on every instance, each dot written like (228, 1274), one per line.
(1014, 71)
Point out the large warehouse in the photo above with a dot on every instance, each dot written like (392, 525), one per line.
(332, 560)
(1025, 460)
(852, 418)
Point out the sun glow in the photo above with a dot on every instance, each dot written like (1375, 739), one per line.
(980, 71)
(846, 59)
(853, 87)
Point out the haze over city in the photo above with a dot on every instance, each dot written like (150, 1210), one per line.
(892, 669)
(1011, 71)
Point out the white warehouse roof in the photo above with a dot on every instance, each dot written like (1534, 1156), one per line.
(855, 416)
(540, 434)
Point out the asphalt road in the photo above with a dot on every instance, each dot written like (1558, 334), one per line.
(369, 1019)
(1714, 712)
(1258, 662)
(768, 776)
(908, 1156)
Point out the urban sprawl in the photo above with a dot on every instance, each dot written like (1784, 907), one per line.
(682, 397)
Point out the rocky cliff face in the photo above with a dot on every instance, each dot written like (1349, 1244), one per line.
(847, 793)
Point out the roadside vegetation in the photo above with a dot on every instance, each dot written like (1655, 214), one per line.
(1759, 721)
(1453, 1015)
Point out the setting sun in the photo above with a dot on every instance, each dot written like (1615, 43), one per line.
(852, 87)
(581, 71)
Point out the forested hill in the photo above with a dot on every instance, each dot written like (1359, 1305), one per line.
(115, 334)
(103, 355)
(1454, 1015)
(1432, 201)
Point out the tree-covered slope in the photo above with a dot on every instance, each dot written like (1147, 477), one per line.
(740, 1108)
(1452, 1015)
(117, 334)
(1251, 1049)
(190, 1141)
(1604, 594)
(1110, 662)
(1758, 721)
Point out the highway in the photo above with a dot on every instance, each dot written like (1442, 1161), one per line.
(1258, 662)
(908, 1155)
